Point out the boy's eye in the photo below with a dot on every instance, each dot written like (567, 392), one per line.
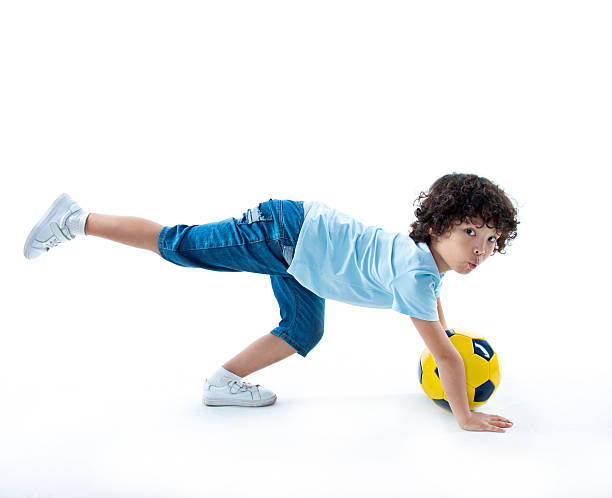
(491, 237)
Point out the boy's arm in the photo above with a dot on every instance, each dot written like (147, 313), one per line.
(441, 315)
(450, 366)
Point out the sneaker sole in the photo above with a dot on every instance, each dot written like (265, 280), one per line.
(212, 402)
(60, 201)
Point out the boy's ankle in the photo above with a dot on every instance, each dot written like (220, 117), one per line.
(76, 222)
(222, 377)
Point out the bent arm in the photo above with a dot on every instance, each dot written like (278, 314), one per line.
(450, 366)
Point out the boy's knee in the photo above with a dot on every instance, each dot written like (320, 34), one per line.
(302, 337)
(315, 334)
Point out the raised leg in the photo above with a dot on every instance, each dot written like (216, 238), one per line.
(263, 352)
(135, 232)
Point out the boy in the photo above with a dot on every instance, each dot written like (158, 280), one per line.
(313, 252)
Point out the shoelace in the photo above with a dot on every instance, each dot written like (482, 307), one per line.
(58, 235)
(241, 385)
(52, 242)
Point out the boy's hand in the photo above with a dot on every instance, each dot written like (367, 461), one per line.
(484, 422)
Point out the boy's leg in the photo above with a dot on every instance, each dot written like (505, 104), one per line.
(130, 230)
(263, 352)
(142, 233)
(226, 388)
(303, 319)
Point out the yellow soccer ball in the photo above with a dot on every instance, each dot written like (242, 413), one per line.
(481, 369)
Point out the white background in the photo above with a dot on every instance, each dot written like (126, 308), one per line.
(192, 112)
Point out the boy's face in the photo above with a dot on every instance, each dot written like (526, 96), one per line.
(464, 243)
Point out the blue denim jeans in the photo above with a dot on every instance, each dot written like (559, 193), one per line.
(261, 241)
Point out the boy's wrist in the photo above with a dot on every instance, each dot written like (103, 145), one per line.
(453, 379)
(462, 418)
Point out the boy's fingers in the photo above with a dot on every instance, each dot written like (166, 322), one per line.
(503, 419)
(501, 423)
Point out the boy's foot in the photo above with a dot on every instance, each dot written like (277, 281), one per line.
(237, 393)
(51, 229)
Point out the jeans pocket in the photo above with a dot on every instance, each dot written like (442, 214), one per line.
(254, 214)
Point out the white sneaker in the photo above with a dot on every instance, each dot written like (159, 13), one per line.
(51, 229)
(237, 393)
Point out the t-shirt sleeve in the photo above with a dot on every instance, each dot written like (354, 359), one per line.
(413, 294)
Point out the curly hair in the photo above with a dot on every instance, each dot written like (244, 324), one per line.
(456, 197)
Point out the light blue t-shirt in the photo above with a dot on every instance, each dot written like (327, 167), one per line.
(338, 257)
